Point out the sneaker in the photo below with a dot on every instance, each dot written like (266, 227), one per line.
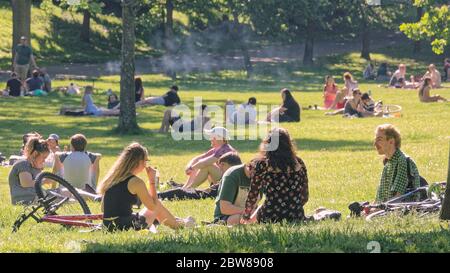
(174, 184)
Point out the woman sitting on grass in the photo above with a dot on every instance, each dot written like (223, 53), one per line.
(289, 111)
(282, 177)
(350, 84)
(329, 91)
(24, 172)
(121, 189)
(424, 92)
(434, 75)
(351, 105)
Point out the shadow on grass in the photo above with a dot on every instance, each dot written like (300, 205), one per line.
(269, 238)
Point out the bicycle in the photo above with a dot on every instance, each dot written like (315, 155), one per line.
(61, 204)
(402, 206)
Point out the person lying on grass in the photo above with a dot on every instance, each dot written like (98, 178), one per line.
(121, 189)
(79, 167)
(424, 92)
(281, 176)
(225, 162)
(204, 167)
(172, 118)
(91, 109)
(170, 98)
(242, 114)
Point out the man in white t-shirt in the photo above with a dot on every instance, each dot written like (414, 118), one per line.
(79, 167)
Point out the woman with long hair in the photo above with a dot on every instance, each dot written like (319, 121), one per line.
(138, 89)
(424, 92)
(330, 90)
(282, 177)
(23, 173)
(121, 189)
(289, 111)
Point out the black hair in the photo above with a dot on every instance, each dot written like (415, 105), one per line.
(231, 158)
(365, 96)
(252, 101)
(174, 87)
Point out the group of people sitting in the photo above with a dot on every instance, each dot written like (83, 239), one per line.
(276, 173)
(349, 101)
(39, 84)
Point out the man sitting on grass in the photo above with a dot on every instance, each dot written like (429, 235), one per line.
(225, 162)
(204, 167)
(79, 167)
(394, 178)
(233, 191)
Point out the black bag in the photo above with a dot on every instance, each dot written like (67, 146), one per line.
(423, 182)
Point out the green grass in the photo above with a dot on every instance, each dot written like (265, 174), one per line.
(342, 164)
(55, 37)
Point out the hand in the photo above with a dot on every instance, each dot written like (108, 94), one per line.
(151, 173)
(244, 221)
(188, 170)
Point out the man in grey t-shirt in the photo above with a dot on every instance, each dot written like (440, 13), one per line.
(78, 167)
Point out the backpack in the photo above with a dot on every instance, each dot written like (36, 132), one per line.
(410, 187)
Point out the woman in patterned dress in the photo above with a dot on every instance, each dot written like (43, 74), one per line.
(281, 176)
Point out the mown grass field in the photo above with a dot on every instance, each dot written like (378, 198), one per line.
(342, 164)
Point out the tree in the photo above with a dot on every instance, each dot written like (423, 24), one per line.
(445, 211)
(169, 42)
(127, 119)
(433, 25)
(292, 19)
(87, 7)
(21, 10)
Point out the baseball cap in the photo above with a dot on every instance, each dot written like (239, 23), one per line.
(53, 136)
(218, 132)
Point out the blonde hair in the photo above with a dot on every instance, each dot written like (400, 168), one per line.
(348, 75)
(391, 132)
(128, 161)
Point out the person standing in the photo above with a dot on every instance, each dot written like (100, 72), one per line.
(23, 57)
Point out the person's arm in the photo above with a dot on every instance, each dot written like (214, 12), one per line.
(253, 194)
(57, 165)
(205, 162)
(194, 161)
(96, 168)
(227, 208)
(400, 181)
(151, 175)
(137, 186)
(26, 180)
(304, 194)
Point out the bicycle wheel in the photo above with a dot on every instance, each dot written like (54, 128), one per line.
(67, 202)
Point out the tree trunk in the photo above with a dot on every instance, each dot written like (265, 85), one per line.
(238, 37)
(168, 38)
(365, 51)
(86, 27)
(21, 10)
(445, 211)
(127, 120)
(417, 44)
(309, 49)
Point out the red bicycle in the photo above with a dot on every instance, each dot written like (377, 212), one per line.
(60, 204)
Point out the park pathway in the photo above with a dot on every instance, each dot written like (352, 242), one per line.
(207, 62)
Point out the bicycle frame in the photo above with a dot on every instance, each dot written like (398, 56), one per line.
(73, 220)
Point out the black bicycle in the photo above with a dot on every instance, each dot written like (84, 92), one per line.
(405, 204)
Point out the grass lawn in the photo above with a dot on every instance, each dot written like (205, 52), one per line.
(342, 165)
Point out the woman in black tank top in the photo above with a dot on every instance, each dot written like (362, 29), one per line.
(121, 189)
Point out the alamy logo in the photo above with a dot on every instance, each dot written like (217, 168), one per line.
(232, 122)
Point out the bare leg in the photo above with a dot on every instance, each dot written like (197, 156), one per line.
(197, 178)
(165, 121)
(163, 216)
(340, 95)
